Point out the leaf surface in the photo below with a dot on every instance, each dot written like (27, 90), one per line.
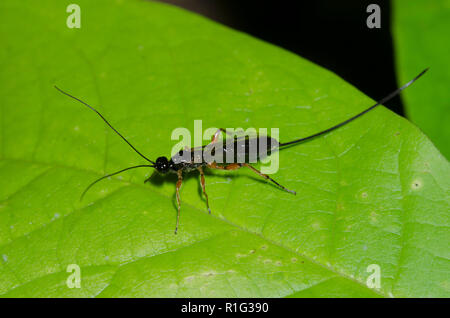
(373, 192)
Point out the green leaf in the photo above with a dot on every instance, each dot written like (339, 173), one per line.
(420, 29)
(373, 192)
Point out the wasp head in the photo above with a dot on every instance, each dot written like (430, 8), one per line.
(163, 165)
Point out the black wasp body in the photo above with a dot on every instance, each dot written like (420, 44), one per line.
(240, 150)
(240, 147)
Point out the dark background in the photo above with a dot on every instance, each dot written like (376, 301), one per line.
(330, 33)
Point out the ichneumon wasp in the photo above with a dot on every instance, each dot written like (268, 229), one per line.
(176, 165)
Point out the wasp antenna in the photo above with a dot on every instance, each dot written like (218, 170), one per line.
(104, 119)
(382, 101)
(110, 175)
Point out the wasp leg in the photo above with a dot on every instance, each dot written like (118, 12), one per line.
(217, 134)
(235, 166)
(202, 182)
(231, 166)
(265, 176)
(179, 182)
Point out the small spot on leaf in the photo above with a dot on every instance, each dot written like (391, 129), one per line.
(316, 226)
(189, 278)
(373, 217)
(210, 273)
(416, 184)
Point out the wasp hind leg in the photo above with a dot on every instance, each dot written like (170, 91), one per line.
(265, 176)
(235, 166)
